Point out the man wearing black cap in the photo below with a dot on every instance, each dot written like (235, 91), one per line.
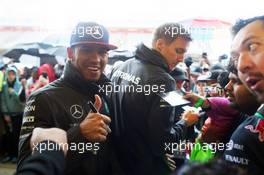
(208, 83)
(180, 78)
(204, 60)
(64, 104)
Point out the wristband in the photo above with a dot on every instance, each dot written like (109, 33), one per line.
(199, 103)
(259, 115)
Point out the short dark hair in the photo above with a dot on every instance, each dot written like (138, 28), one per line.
(204, 55)
(241, 23)
(169, 32)
(232, 67)
(223, 79)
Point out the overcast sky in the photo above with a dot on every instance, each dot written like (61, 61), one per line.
(122, 13)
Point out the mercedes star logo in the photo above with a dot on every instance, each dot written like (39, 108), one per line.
(97, 32)
(76, 111)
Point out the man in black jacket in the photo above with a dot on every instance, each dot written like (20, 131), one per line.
(143, 126)
(64, 104)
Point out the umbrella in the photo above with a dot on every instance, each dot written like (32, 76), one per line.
(35, 45)
(57, 51)
(34, 49)
(29, 60)
(14, 53)
(46, 52)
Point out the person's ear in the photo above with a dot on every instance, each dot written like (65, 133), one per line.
(159, 45)
(70, 53)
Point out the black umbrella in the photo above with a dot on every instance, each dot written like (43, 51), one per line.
(34, 49)
(35, 45)
(46, 58)
(46, 52)
(57, 51)
(14, 53)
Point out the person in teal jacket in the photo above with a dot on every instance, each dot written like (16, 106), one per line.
(12, 108)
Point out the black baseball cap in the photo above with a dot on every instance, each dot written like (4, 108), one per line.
(204, 54)
(213, 75)
(179, 74)
(91, 33)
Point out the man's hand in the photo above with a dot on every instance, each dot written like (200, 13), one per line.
(24, 83)
(43, 81)
(95, 126)
(10, 90)
(193, 98)
(53, 134)
(191, 117)
(7, 118)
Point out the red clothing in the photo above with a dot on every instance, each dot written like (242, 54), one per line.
(50, 71)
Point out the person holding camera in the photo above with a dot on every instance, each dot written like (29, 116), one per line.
(46, 75)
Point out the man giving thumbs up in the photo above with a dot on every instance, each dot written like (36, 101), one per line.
(63, 104)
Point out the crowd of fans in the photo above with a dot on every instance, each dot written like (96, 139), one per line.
(220, 131)
(16, 86)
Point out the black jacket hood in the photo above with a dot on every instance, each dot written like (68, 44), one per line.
(152, 56)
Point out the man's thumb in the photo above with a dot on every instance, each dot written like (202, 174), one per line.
(98, 102)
